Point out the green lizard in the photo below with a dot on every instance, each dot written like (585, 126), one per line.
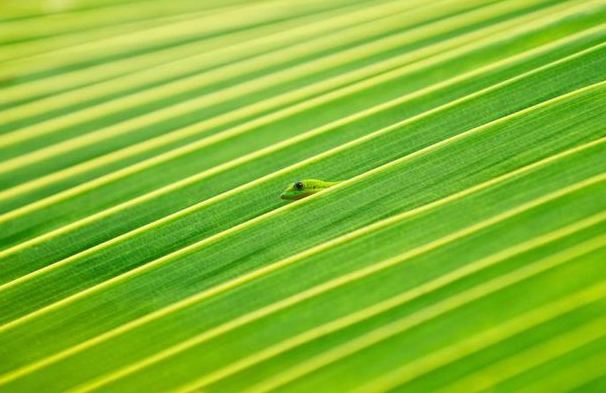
(304, 188)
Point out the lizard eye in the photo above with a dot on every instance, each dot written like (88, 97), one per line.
(298, 186)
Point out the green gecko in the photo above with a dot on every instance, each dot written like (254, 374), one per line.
(304, 188)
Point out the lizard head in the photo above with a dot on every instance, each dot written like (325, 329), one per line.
(296, 190)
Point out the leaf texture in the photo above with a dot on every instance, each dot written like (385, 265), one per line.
(144, 246)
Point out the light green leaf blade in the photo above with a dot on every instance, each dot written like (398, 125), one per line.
(144, 246)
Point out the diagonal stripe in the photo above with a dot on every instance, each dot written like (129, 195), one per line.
(17, 11)
(279, 34)
(424, 365)
(246, 66)
(344, 280)
(570, 378)
(338, 324)
(42, 47)
(417, 368)
(471, 345)
(70, 21)
(309, 68)
(263, 152)
(77, 78)
(489, 377)
(199, 23)
(195, 246)
(134, 168)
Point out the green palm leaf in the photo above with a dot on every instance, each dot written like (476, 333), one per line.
(144, 146)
